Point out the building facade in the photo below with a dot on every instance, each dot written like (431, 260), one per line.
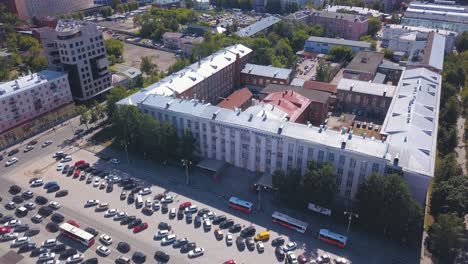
(27, 9)
(78, 48)
(30, 96)
(453, 18)
(172, 40)
(260, 75)
(340, 25)
(323, 45)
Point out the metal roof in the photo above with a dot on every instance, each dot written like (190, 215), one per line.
(341, 42)
(366, 87)
(28, 82)
(412, 120)
(266, 71)
(258, 26)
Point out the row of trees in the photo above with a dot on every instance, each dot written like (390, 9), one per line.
(384, 203)
(277, 48)
(450, 187)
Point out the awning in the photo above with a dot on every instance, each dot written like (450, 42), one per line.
(266, 181)
(213, 165)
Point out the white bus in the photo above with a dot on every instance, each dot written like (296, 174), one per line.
(77, 234)
(289, 222)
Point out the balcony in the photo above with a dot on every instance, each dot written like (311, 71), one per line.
(14, 108)
(12, 101)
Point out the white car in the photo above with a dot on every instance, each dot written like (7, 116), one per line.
(11, 161)
(38, 182)
(148, 203)
(290, 246)
(28, 148)
(52, 261)
(292, 258)
(161, 234)
(46, 143)
(55, 205)
(323, 258)
(196, 252)
(156, 204)
(103, 206)
(209, 215)
(66, 159)
(114, 161)
(105, 239)
(37, 218)
(172, 213)
(50, 242)
(192, 209)
(169, 239)
(60, 166)
(228, 239)
(110, 212)
(92, 202)
(120, 215)
(341, 261)
(56, 154)
(30, 205)
(145, 191)
(167, 199)
(46, 256)
(75, 258)
(96, 182)
(13, 223)
(260, 246)
(103, 250)
(207, 224)
(20, 241)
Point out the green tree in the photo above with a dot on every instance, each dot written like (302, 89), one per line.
(319, 185)
(316, 30)
(298, 40)
(461, 42)
(188, 145)
(147, 66)
(288, 187)
(388, 53)
(341, 54)
(85, 117)
(116, 94)
(368, 38)
(446, 167)
(450, 196)
(114, 47)
(446, 237)
(178, 65)
(323, 72)
(273, 7)
(379, 198)
(374, 26)
(106, 11)
(115, 3)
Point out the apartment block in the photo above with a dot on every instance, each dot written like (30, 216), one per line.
(446, 17)
(78, 48)
(337, 24)
(27, 9)
(32, 95)
(209, 79)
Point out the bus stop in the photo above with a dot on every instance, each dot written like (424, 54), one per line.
(212, 167)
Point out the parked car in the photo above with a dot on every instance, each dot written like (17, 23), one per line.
(161, 256)
(103, 250)
(235, 228)
(168, 239)
(140, 227)
(11, 161)
(180, 242)
(105, 239)
(196, 252)
(228, 224)
(161, 234)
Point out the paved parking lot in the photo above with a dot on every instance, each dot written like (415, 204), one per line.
(306, 70)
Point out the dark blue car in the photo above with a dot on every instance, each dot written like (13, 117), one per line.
(50, 184)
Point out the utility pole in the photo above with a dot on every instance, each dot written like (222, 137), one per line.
(186, 163)
(350, 218)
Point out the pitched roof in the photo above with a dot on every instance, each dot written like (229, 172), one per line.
(320, 86)
(341, 42)
(236, 99)
(258, 26)
(313, 95)
(266, 71)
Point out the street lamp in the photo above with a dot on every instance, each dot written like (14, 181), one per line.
(186, 163)
(350, 217)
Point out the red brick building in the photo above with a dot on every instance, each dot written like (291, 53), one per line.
(241, 99)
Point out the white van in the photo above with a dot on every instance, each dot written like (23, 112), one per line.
(139, 200)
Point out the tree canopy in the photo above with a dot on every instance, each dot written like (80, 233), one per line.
(374, 25)
(341, 54)
(447, 236)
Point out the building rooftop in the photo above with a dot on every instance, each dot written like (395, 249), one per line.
(357, 86)
(358, 10)
(29, 81)
(66, 25)
(334, 15)
(290, 102)
(412, 120)
(297, 82)
(418, 29)
(236, 99)
(434, 51)
(342, 42)
(320, 86)
(366, 62)
(172, 35)
(313, 95)
(266, 71)
(186, 78)
(258, 26)
(131, 72)
(262, 124)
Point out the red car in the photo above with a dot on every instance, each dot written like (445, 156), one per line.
(77, 173)
(73, 223)
(4, 230)
(231, 261)
(184, 205)
(78, 163)
(302, 258)
(140, 227)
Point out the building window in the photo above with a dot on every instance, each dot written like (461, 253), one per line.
(331, 157)
(375, 167)
(320, 155)
(347, 193)
(352, 163)
(342, 159)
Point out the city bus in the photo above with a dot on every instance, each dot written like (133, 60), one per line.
(289, 222)
(332, 238)
(77, 234)
(240, 205)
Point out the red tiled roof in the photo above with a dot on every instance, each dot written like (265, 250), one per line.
(236, 99)
(293, 103)
(320, 86)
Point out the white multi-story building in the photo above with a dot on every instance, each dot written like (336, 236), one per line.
(454, 18)
(78, 48)
(258, 142)
(30, 96)
(28, 9)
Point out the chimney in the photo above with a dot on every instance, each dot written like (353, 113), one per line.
(351, 87)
